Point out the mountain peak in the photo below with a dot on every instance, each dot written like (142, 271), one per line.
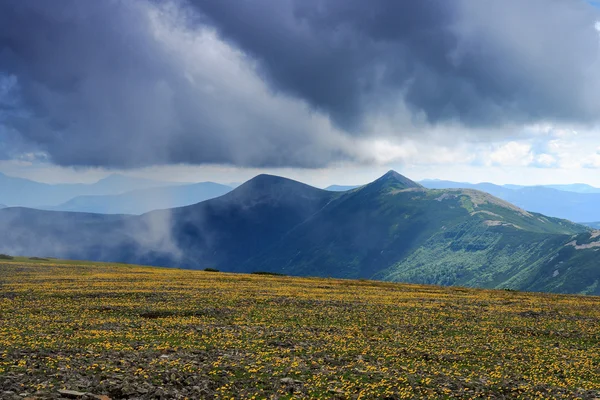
(392, 179)
(272, 186)
(267, 178)
(266, 182)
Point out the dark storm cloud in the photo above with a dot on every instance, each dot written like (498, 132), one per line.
(477, 62)
(125, 83)
(131, 83)
(344, 57)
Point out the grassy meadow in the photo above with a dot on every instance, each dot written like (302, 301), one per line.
(137, 332)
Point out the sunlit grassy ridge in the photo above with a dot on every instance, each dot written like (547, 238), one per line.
(129, 331)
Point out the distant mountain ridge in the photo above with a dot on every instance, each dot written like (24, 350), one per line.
(341, 188)
(28, 193)
(571, 187)
(144, 200)
(574, 187)
(594, 225)
(391, 229)
(573, 206)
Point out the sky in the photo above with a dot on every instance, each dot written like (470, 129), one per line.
(336, 91)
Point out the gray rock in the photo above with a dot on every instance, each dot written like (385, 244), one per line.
(71, 394)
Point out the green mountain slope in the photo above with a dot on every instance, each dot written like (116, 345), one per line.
(393, 229)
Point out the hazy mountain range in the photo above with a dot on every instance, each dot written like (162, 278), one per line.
(574, 187)
(341, 188)
(144, 200)
(391, 229)
(28, 193)
(595, 225)
(548, 200)
(115, 194)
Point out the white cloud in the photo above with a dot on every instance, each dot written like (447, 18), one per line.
(511, 154)
(545, 160)
(592, 160)
(414, 152)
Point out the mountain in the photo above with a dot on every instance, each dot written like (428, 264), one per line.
(144, 200)
(225, 232)
(493, 189)
(28, 193)
(575, 187)
(573, 206)
(453, 236)
(391, 229)
(509, 186)
(594, 225)
(340, 188)
(50, 233)
(546, 200)
(116, 183)
(220, 232)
